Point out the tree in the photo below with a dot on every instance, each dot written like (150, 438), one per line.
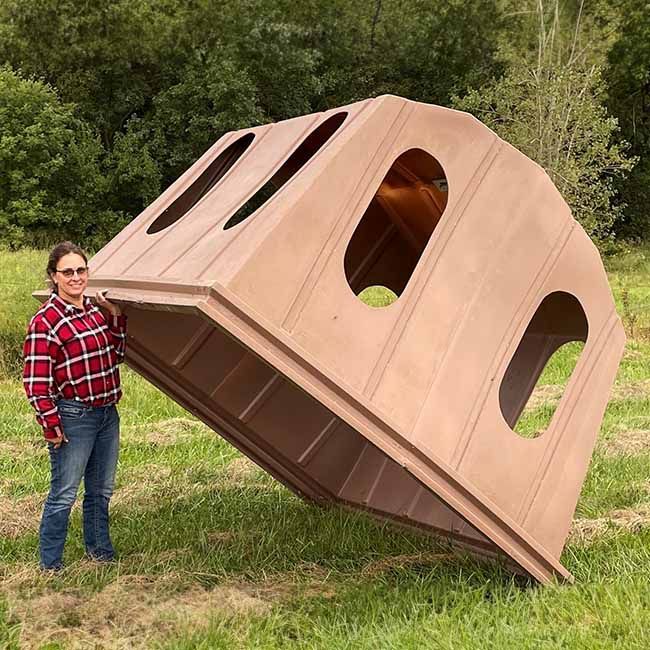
(109, 57)
(549, 105)
(422, 50)
(628, 82)
(51, 183)
(160, 80)
(430, 51)
(213, 96)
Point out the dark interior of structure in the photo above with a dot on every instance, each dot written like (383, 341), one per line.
(291, 166)
(398, 223)
(215, 171)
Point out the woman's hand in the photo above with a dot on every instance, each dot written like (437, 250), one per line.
(100, 297)
(57, 442)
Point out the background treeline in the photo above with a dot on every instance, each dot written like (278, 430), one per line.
(104, 102)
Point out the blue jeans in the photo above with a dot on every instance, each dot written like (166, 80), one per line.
(91, 452)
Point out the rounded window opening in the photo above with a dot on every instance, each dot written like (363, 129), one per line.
(215, 171)
(308, 148)
(542, 365)
(397, 224)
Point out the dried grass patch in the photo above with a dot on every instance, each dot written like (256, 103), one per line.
(141, 483)
(634, 390)
(305, 580)
(631, 353)
(551, 393)
(134, 611)
(543, 395)
(130, 612)
(221, 536)
(585, 531)
(627, 443)
(21, 515)
(165, 432)
(240, 470)
(17, 576)
(20, 448)
(405, 561)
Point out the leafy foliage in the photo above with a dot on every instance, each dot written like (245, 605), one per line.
(147, 86)
(50, 174)
(550, 107)
(428, 53)
(106, 56)
(213, 96)
(628, 79)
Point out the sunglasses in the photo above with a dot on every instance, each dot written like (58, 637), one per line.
(68, 273)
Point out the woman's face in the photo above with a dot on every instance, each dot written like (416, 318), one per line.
(74, 286)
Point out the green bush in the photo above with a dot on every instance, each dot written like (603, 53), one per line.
(51, 184)
(628, 90)
(550, 106)
(214, 96)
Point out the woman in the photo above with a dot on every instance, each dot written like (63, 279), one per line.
(71, 378)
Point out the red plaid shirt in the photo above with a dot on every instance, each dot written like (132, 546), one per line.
(71, 353)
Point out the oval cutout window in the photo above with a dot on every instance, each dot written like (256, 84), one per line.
(215, 171)
(542, 365)
(397, 224)
(291, 166)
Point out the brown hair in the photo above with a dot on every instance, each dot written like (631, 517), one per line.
(61, 249)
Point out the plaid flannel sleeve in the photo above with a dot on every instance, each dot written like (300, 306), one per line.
(39, 354)
(117, 335)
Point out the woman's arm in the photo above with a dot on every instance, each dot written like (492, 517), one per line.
(117, 334)
(39, 354)
(116, 322)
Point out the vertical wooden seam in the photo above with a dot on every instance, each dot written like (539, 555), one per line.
(209, 230)
(136, 227)
(357, 462)
(187, 249)
(310, 127)
(245, 224)
(195, 343)
(414, 502)
(396, 218)
(373, 254)
(458, 325)
(228, 375)
(542, 360)
(375, 484)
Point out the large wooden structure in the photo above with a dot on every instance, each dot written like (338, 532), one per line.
(241, 285)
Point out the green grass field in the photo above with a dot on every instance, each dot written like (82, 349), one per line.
(216, 554)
